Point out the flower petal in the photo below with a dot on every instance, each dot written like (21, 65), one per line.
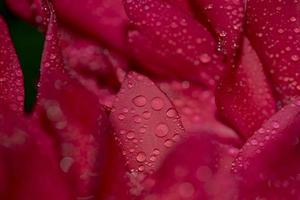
(80, 136)
(197, 109)
(226, 19)
(32, 164)
(268, 164)
(204, 175)
(273, 29)
(105, 20)
(179, 44)
(145, 122)
(244, 97)
(11, 77)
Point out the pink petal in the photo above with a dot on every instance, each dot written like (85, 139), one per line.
(146, 124)
(22, 8)
(115, 174)
(244, 97)
(32, 166)
(3, 174)
(273, 30)
(177, 42)
(197, 109)
(74, 117)
(88, 59)
(105, 20)
(268, 164)
(11, 78)
(226, 19)
(196, 169)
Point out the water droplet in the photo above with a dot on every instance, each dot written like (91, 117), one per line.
(205, 58)
(157, 103)
(130, 135)
(66, 163)
(161, 130)
(139, 101)
(275, 125)
(141, 157)
(295, 58)
(147, 115)
(171, 113)
(168, 143)
(156, 152)
(137, 119)
(121, 117)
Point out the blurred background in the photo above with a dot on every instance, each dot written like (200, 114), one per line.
(28, 43)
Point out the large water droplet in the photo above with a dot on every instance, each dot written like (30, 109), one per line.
(161, 130)
(141, 157)
(139, 101)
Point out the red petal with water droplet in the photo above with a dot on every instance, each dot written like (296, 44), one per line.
(105, 20)
(11, 78)
(178, 43)
(273, 29)
(268, 164)
(244, 97)
(226, 19)
(74, 117)
(32, 165)
(88, 59)
(204, 175)
(144, 129)
(197, 109)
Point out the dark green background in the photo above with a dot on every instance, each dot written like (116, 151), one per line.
(28, 43)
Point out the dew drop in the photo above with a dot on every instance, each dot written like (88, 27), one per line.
(139, 101)
(147, 115)
(157, 103)
(66, 163)
(141, 157)
(130, 135)
(171, 113)
(161, 130)
(205, 58)
(168, 143)
(295, 58)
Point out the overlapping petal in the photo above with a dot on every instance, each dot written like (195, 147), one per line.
(11, 78)
(105, 20)
(146, 125)
(31, 160)
(174, 41)
(268, 165)
(273, 29)
(196, 169)
(226, 19)
(244, 96)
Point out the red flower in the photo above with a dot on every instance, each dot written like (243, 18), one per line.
(154, 99)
